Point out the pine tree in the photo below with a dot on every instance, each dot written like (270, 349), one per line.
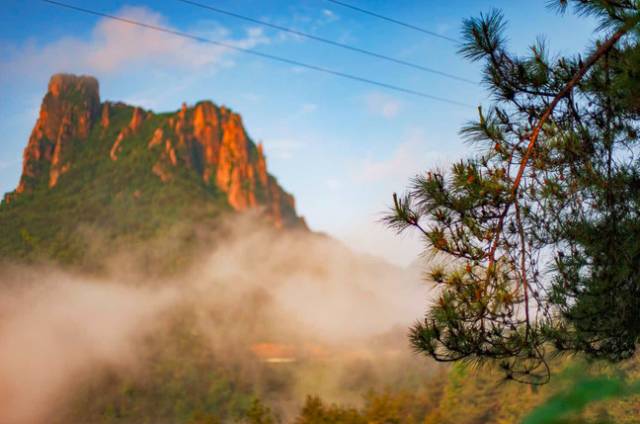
(542, 226)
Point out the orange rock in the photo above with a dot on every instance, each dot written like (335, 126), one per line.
(162, 173)
(68, 111)
(105, 118)
(171, 153)
(156, 139)
(113, 153)
(208, 140)
(137, 118)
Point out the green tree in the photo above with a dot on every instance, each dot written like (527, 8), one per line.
(259, 413)
(315, 411)
(542, 224)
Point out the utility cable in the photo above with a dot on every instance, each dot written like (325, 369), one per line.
(259, 54)
(327, 41)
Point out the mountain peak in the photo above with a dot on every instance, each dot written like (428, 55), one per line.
(66, 84)
(205, 143)
(68, 111)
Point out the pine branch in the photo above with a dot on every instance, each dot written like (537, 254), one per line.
(566, 91)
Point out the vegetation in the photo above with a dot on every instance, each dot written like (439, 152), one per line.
(464, 397)
(542, 225)
(190, 385)
(183, 380)
(111, 203)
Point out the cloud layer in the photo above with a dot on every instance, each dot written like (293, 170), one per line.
(114, 46)
(258, 288)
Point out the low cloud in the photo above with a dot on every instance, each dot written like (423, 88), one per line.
(259, 294)
(61, 327)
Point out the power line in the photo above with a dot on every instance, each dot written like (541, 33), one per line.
(257, 53)
(395, 21)
(327, 41)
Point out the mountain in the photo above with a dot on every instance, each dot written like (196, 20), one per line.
(128, 172)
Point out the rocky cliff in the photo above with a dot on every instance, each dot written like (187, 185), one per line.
(205, 140)
(68, 111)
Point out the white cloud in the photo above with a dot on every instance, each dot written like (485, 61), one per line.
(380, 177)
(372, 237)
(412, 156)
(383, 105)
(114, 46)
(152, 98)
(329, 15)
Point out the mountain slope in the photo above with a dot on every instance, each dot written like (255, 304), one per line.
(131, 174)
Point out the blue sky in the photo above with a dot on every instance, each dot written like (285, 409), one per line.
(341, 147)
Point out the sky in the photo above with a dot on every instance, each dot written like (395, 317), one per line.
(341, 147)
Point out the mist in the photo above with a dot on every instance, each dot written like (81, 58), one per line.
(262, 300)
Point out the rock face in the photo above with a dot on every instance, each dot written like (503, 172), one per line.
(68, 112)
(205, 139)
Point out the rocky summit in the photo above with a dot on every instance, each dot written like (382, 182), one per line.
(208, 140)
(119, 167)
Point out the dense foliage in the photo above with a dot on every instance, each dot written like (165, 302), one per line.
(542, 224)
(463, 397)
(189, 384)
